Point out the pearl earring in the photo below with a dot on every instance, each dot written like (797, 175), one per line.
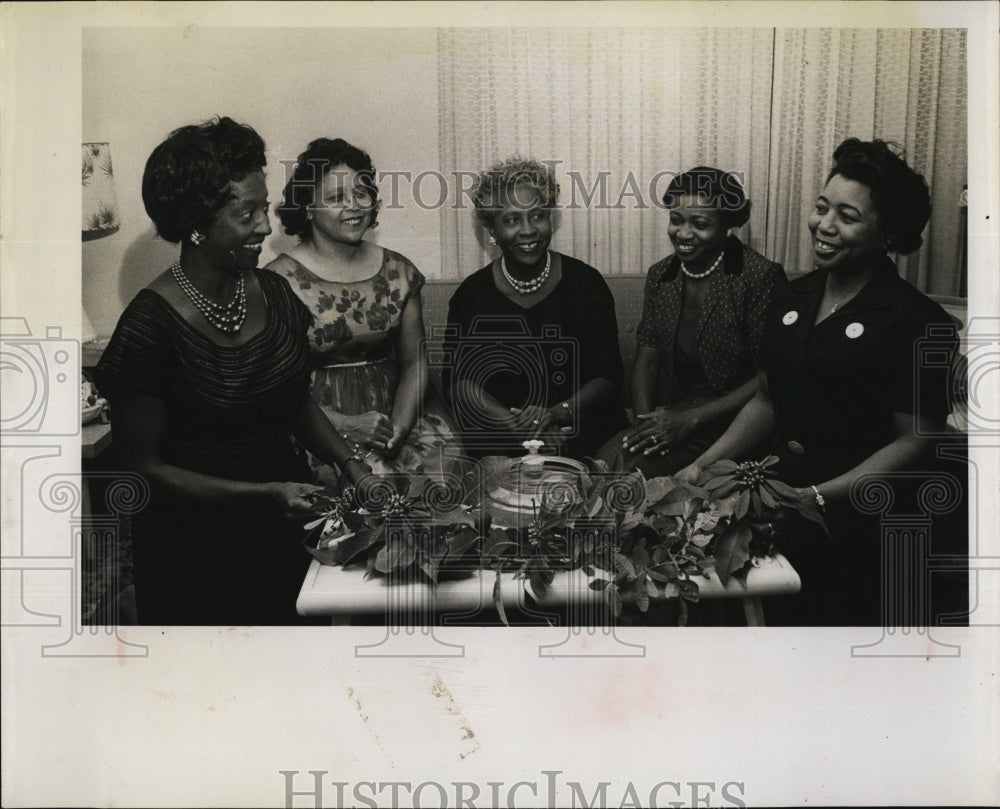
(196, 238)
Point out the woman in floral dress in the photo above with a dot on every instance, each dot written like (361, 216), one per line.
(370, 375)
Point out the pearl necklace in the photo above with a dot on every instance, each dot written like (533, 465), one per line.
(527, 287)
(709, 271)
(228, 317)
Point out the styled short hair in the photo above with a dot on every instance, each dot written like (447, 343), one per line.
(722, 189)
(303, 187)
(900, 196)
(504, 176)
(187, 177)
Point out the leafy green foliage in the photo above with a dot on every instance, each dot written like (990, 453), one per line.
(635, 540)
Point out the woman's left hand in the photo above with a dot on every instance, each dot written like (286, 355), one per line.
(541, 422)
(395, 442)
(658, 431)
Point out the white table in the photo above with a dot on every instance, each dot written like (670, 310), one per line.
(343, 594)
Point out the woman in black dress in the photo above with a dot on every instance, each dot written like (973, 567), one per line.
(208, 377)
(841, 393)
(532, 344)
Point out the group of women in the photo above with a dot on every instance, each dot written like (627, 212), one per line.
(241, 392)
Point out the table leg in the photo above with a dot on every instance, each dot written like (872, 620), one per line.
(754, 611)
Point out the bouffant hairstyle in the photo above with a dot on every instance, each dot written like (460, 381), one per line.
(503, 178)
(722, 189)
(303, 188)
(187, 177)
(900, 196)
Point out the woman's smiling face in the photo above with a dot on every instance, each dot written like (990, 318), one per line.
(845, 227)
(344, 209)
(522, 227)
(696, 232)
(241, 225)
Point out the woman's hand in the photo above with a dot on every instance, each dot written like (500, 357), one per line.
(690, 474)
(656, 432)
(396, 440)
(294, 500)
(547, 424)
(371, 429)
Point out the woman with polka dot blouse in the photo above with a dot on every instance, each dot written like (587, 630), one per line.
(699, 336)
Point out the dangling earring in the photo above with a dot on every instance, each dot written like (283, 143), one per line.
(730, 233)
(493, 239)
(196, 238)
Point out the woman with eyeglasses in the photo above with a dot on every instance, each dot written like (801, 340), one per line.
(370, 375)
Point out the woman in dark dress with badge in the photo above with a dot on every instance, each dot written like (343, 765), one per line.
(208, 377)
(841, 393)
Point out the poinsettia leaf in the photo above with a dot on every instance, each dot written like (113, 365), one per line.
(407, 554)
(353, 520)
(651, 589)
(742, 505)
(755, 503)
(785, 493)
(732, 552)
(666, 572)
(682, 617)
(310, 525)
(383, 562)
(460, 541)
(811, 512)
(326, 556)
(614, 600)
(624, 566)
(357, 543)
(701, 540)
(688, 590)
(540, 578)
(640, 556)
(430, 567)
(599, 584)
(642, 602)
(766, 497)
(770, 461)
(657, 489)
(498, 600)
(722, 467)
(497, 542)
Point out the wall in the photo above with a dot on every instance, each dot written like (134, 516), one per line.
(377, 89)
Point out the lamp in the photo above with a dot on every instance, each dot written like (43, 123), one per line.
(100, 206)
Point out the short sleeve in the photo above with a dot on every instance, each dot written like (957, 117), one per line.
(399, 265)
(922, 352)
(138, 356)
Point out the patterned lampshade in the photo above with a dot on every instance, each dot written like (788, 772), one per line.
(100, 206)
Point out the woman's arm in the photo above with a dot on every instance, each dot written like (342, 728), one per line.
(413, 376)
(645, 378)
(753, 424)
(139, 429)
(314, 430)
(910, 447)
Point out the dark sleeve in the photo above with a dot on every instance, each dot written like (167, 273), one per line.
(602, 357)
(460, 314)
(921, 351)
(139, 355)
(649, 331)
(765, 282)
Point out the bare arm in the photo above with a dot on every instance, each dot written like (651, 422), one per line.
(413, 376)
(645, 378)
(321, 438)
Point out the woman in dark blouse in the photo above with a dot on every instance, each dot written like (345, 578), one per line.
(532, 342)
(698, 343)
(842, 393)
(208, 377)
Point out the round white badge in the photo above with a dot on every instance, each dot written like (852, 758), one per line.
(854, 330)
(790, 317)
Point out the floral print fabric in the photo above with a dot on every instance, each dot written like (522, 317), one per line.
(355, 328)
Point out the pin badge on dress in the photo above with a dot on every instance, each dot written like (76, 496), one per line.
(854, 330)
(790, 317)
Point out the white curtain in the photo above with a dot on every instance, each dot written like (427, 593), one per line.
(625, 105)
(618, 106)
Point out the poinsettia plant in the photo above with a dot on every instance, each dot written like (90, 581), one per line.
(667, 534)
